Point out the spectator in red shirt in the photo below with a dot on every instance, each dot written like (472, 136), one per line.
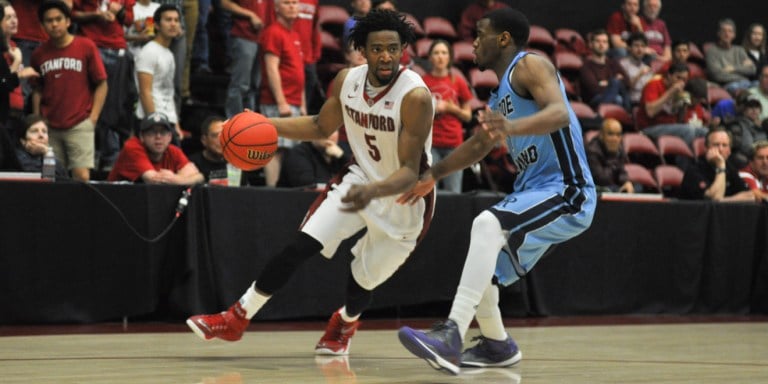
(655, 30)
(452, 95)
(666, 108)
(150, 157)
(71, 90)
(282, 91)
(621, 24)
(755, 174)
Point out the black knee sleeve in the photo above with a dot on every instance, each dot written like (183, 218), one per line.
(280, 268)
(358, 298)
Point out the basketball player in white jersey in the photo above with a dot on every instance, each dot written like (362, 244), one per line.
(387, 112)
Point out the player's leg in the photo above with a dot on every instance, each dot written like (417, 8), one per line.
(377, 256)
(441, 346)
(323, 230)
(495, 348)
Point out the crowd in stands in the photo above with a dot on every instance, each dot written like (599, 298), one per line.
(103, 83)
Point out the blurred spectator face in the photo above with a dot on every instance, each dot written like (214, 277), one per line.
(752, 112)
(211, 139)
(631, 7)
(56, 23)
(637, 49)
(727, 33)
(169, 25)
(288, 9)
(439, 56)
(156, 139)
(10, 22)
(764, 79)
(756, 35)
(677, 77)
(651, 9)
(361, 6)
(681, 53)
(610, 135)
(387, 5)
(599, 44)
(37, 134)
(721, 141)
(759, 162)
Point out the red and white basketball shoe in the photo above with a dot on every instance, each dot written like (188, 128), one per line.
(228, 325)
(337, 337)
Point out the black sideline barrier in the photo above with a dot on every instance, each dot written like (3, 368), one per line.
(67, 255)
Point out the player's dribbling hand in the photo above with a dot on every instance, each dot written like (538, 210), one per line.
(358, 197)
(424, 186)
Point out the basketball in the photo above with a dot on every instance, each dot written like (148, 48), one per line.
(248, 140)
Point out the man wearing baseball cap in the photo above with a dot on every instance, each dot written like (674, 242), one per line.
(150, 157)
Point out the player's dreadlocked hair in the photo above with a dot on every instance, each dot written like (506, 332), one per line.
(381, 20)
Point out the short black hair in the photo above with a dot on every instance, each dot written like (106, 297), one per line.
(51, 4)
(162, 9)
(205, 126)
(678, 67)
(381, 20)
(637, 36)
(28, 121)
(512, 21)
(676, 43)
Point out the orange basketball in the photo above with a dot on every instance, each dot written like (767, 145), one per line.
(248, 140)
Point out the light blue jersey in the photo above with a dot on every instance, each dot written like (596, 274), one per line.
(554, 198)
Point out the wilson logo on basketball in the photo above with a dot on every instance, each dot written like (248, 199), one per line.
(258, 155)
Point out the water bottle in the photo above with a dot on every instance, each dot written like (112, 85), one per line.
(49, 165)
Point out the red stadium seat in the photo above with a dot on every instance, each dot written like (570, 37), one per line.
(483, 82)
(331, 18)
(641, 150)
(439, 27)
(582, 110)
(540, 38)
(696, 55)
(589, 135)
(417, 28)
(699, 147)
(617, 112)
(672, 146)
(716, 93)
(422, 47)
(638, 174)
(669, 178)
(570, 40)
(463, 55)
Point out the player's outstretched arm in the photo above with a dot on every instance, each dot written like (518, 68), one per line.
(319, 126)
(416, 115)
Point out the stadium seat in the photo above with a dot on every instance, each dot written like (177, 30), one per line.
(696, 55)
(417, 28)
(641, 150)
(463, 55)
(669, 178)
(589, 135)
(570, 40)
(331, 48)
(671, 147)
(439, 27)
(638, 174)
(540, 38)
(617, 112)
(483, 82)
(331, 18)
(422, 47)
(582, 110)
(716, 93)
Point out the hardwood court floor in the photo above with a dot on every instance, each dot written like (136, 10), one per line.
(699, 352)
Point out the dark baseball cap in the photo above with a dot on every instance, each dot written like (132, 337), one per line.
(153, 119)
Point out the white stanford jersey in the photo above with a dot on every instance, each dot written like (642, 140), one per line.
(373, 125)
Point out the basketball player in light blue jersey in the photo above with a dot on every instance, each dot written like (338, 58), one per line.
(554, 198)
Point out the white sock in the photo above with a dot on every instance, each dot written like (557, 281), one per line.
(346, 317)
(252, 301)
(486, 240)
(489, 316)
(463, 308)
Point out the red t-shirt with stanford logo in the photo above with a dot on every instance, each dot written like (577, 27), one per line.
(67, 78)
(447, 129)
(284, 43)
(134, 161)
(308, 28)
(653, 91)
